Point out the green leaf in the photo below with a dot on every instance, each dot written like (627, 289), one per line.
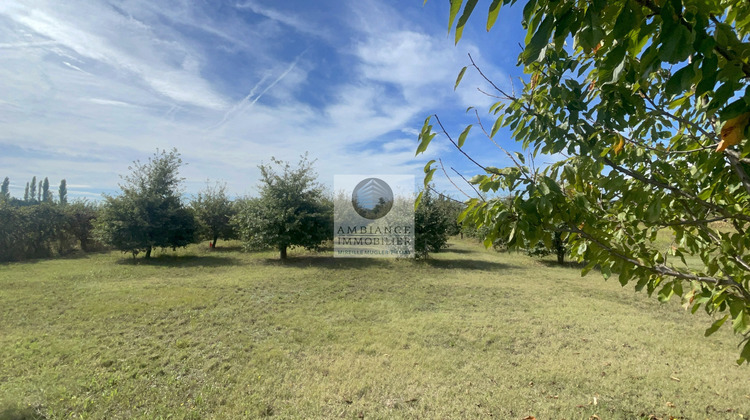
(741, 319)
(425, 141)
(464, 17)
(624, 277)
(653, 210)
(745, 353)
(732, 110)
(462, 137)
(427, 167)
(721, 96)
(425, 136)
(708, 75)
(677, 287)
(715, 326)
(741, 322)
(624, 24)
(462, 216)
(665, 293)
(613, 64)
(418, 200)
(458, 79)
(534, 49)
(496, 126)
(455, 7)
(588, 268)
(675, 39)
(680, 81)
(492, 15)
(428, 176)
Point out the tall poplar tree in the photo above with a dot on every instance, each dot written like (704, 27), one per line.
(62, 192)
(5, 189)
(32, 189)
(46, 193)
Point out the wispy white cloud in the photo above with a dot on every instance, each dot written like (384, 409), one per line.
(22, 45)
(161, 64)
(291, 20)
(89, 87)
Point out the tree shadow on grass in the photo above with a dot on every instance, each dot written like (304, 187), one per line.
(453, 250)
(76, 254)
(14, 412)
(230, 248)
(467, 264)
(567, 264)
(182, 261)
(327, 261)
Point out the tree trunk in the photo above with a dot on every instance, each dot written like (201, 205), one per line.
(282, 252)
(148, 253)
(559, 245)
(216, 238)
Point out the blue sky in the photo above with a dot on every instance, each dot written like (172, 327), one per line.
(91, 85)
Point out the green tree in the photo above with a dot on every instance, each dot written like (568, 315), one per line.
(558, 246)
(5, 189)
(80, 216)
(63, 192)
(46, 193)
(32, 189)
(26, 193)
(649, 101)
(432, 225)
(149, 213)
(292, 210)
(213, 212)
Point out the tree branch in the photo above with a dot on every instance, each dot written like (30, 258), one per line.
(450, 180)
(660, 269)
(456, 145)
(678, 191)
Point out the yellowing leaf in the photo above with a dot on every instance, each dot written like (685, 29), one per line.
(599, 45)
(534, 81)
(733, 131)
(620, 144)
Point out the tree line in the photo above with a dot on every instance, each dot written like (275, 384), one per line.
(35, 193)
(292, 210)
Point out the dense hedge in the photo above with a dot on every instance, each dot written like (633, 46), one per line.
(41, 230)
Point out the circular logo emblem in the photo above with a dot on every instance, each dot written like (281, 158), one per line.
(372, 198)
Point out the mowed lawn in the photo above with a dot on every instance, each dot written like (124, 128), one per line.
(470, 334)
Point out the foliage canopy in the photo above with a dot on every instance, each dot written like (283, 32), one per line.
(149, 213)
(213, 212)
(648, 102)
(291, 210)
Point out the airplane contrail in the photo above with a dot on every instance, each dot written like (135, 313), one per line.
(246, 103)
(239, 104)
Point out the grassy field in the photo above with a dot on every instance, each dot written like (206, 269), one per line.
(470, 334)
